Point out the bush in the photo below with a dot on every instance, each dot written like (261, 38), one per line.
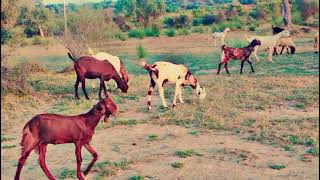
(208, 19)
(136, 33)
(40, 41)
(196, 21)
(168, 21)
(121, 36)
(149, 32)
(252, 27)
(198, 29)
(214, 28)
(170, 32)
(141, 52)
(5, 35)
(183, 32)
(183, 21)
(30, 31)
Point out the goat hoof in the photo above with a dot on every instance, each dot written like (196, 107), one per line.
(76, 98)
(173, 105)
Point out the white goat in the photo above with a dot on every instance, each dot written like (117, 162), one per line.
(285, 43)
(268, 43)
(165, 72)
(221, 36)
(114, 60)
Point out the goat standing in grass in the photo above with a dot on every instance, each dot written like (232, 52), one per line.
(242, 54)
(268, 43)
(114, 60)
(91, 68)
(165, 72)
(283, 42)
(44, 129)
(221, 36)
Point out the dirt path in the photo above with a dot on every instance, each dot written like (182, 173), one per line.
(150, 149)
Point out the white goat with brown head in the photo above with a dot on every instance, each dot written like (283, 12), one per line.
(165, 72)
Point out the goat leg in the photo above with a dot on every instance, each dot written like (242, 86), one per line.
(282, 50)
(226, 67)
(220, 64)
(79, 160)
(95, 158)
(275, 51)
(241, 67)
(161, 93)
(76, 85)
(83, 83)
(151, 87)
(104, 89)
(252, 70)
(21, 162)
(100, 89)
(42, 159)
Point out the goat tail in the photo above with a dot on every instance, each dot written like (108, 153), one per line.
(28, 142)
(223, 46)
(293, 49)
(71, 57)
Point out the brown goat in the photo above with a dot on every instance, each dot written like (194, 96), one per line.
(44, 129)
(91, 68)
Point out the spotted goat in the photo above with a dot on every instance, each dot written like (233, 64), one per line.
(165, 72)
(242, 54)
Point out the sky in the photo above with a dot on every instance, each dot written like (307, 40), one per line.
(70, 1)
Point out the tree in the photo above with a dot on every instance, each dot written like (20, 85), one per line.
(286, 13)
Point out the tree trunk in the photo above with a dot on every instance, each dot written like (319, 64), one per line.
(65, 17)
(41, 31)
(286, 13)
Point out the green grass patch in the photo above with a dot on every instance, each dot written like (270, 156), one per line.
(177, 165)
(136, 177)
(194, 133)
(8, 146)
(152, 137)
(186, 153)
(67, 173)
(287, 147)
(277, 166)
(6, 138)
(314, 151)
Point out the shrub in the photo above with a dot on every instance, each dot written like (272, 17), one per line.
(196, 21)
(168, 21)
(183, 21)
(121, 36)
(141, 52)
(198, 29)
(136, 33)
(208, 19)
(30, 31)
(252, 27)
(149, 32)
(214, 28)
(40, 41)
(183, 32)
(170, 32)
(5, 35)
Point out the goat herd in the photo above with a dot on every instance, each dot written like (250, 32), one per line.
(44, 129)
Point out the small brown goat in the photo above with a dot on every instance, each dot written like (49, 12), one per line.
(91, 68)
(44, 129)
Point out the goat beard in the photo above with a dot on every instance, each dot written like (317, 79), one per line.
(106, 118)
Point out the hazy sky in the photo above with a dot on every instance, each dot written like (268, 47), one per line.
(70, 1)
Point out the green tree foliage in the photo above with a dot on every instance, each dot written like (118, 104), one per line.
(141, 11)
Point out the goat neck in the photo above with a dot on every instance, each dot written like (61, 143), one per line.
(92, 119)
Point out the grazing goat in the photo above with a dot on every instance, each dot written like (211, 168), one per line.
(91, 68)
(242, 54)
(283, 42)
(165, 72)
(221, 36)
(267, 43)
(316, 42)
(44, 129)
(114, 60)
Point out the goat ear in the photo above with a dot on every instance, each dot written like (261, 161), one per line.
(98, 109)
